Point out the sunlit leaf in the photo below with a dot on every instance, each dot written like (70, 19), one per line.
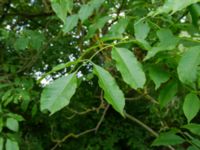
(57, 95)
(129, 67)
(172, 6)
(1, 143)
(11, 145)
(112, 92)
(12, 124)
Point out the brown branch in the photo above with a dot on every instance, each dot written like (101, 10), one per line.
(58, 142)
(72, 135)
(102, 118)
(141, 124)
(154, 133)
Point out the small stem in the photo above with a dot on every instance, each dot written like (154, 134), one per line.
(102, 118)
(141, 124)
(144, 126)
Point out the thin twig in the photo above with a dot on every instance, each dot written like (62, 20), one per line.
(102, 118)
(72, 135)
(58, 142)
(134, 98)
(154, 133)
(141, 124)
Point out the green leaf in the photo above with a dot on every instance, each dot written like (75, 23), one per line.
(11, 145)
(119, 28)
(1, 124)
(112, 92)
(85, 12)
(167, 42)
(192, 148)
(141, 30)
(167, 93)
(35, 39)
(167, 138)
(173, 6)
(99, 24)
(21, 43)
(12, 124)
(61, 8)
(58, 94)
(129, 67)
(96, 3)
(15, 116)
(71, 22)
(195, 13)
(193, 127)
(158, 75)
(191, 106)
(1, 143)
(188, 66)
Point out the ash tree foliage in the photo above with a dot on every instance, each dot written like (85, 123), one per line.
(99, 74)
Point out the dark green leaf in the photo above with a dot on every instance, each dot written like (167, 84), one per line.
(167, 93)
(21, 43)
(192, 148)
